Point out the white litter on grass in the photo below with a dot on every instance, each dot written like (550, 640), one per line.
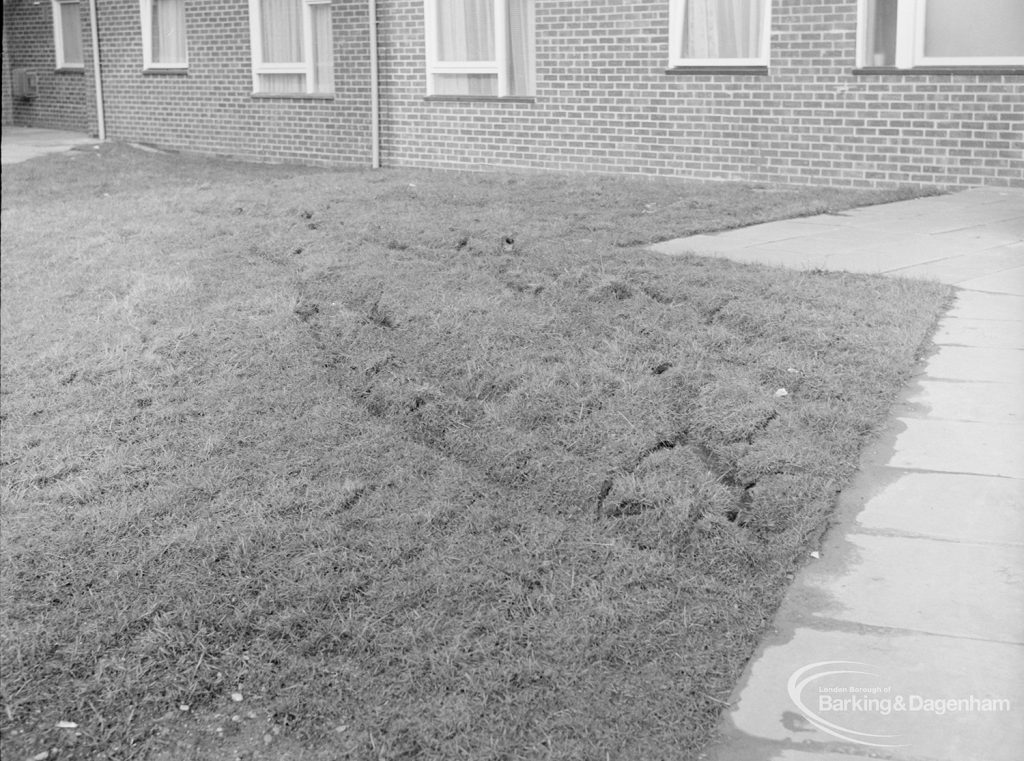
(183, 707)
(815, 554)
(782, 392)
(792, 370)
(66, 725)
(236, 696)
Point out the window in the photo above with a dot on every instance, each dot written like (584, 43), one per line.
(292, 46)
(67, 34)
(908, 33)
(480, 47)
(163, 34)
(719, 32)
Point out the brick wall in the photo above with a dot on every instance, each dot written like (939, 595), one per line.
(8, 103)
(211, 109)
(28, 42)
(604, 103)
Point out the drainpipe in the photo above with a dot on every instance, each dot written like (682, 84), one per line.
(101, 126)
(374, 89)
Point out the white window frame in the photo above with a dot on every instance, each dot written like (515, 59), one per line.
(146, 13)
(910, 30)
(499, 66)
(58, 34)
(677, 12)
(306, 67)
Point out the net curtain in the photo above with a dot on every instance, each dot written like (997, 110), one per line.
(168, 31)
(466, 32)
(722, 28)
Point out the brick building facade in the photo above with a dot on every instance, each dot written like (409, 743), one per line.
(604, 97)
(62, 101)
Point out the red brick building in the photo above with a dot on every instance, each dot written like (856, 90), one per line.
(843, 92)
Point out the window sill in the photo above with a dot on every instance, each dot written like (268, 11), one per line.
(70, 70)
(177, 71)
(925, 70)
(482, 98)
(740, 70)
(293, 95)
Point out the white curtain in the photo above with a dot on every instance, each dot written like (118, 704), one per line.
(168, 31)
(881, 33)
(520, 46)
(465, 84)
(465, 30)
(323, 48)
(71, 33)
(281, 24)
(281, 37)
(722, 28)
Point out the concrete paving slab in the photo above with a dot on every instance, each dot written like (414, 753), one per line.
(988, 306)
(881, 581)
(809, 753)
(980, 334)
(949, 506)
(954, 446)
(983, 195)
(1007, 281)
(938, 221)
(907, 249)
(24, 143)
(976, 364)
(877, 260)
(776, 254)
(979, 237)
(770, 232)
(968, 401)
(1016, 226)
(844, 240)
(960, 268)
(912, 701)
(796, 754)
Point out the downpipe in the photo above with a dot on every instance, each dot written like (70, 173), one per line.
(374, 88)
(101, 125)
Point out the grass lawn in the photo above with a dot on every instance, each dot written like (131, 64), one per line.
(419, 465)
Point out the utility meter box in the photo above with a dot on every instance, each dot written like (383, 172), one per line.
(24, 83)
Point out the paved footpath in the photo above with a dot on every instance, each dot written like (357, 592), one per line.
(904, 638)
(24, 143)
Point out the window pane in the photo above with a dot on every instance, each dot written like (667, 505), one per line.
(168, 31)
(465, 84)
(323, 48)
(880, 41)
(465, 30)
(71, 34)
(520, 47)
(722, 28)
(281, 26)
(282, 83)
(979, 28)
